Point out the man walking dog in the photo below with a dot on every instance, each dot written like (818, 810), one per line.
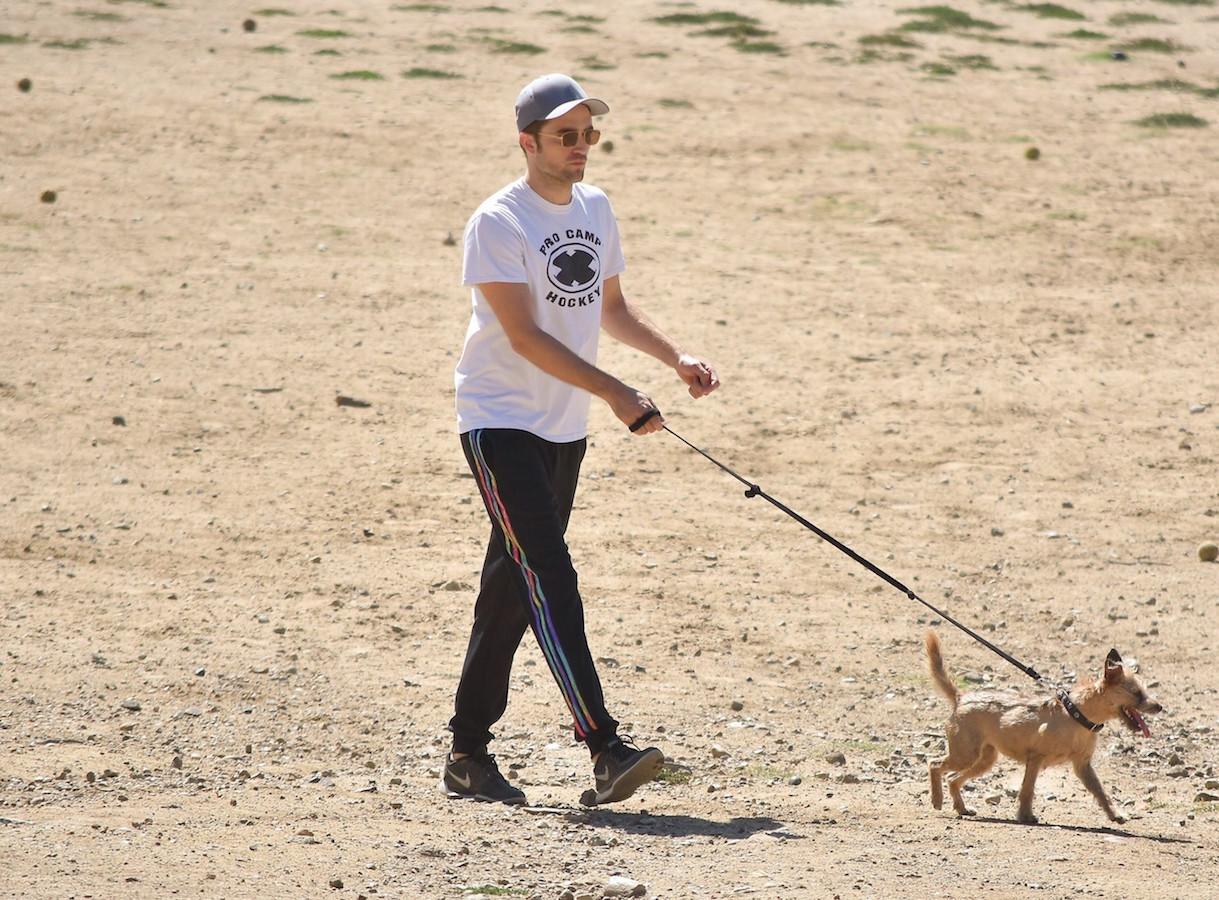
(542, 259)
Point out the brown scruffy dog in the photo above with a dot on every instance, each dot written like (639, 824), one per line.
(1038, 733)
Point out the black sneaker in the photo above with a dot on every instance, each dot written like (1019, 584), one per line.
(477, 777)
(621, 769)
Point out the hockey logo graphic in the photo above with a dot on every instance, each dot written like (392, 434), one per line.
(573, 268)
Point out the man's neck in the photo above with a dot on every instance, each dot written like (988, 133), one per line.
(550, 189)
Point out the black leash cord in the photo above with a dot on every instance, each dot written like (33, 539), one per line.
(752, 490)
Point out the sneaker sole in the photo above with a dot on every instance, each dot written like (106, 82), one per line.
(481, 798)
(646, 768)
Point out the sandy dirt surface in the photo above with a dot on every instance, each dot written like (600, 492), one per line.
(232, 611)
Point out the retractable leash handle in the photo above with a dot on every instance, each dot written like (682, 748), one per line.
(752, 490)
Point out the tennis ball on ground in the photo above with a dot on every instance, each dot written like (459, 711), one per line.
(1208, 552)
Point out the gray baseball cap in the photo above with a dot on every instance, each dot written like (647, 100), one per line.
(551, 96)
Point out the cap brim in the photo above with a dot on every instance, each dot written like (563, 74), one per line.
(595, 106)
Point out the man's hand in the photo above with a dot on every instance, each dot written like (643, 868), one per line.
(629, 405)
(699, 377)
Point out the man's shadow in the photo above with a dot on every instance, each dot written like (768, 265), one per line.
(735, 829)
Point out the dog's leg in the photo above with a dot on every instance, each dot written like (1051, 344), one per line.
(961, 753)
(1032, 768)
(1088, 776)
(981, 765)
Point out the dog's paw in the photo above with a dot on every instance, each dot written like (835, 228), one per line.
(1118, 818)
(1027, 819)
(965, 811)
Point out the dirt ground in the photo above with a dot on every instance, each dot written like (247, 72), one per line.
(234, 611)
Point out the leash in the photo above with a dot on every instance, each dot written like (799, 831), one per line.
(752, 490)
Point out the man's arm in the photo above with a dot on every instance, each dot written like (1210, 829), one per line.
(511, 304)
(626, 322)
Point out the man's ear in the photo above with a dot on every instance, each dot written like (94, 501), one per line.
(1113, 666)
(528, 143)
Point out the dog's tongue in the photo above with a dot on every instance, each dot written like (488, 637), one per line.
(1138, 722)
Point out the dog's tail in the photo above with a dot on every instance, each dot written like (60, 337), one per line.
(935, 661)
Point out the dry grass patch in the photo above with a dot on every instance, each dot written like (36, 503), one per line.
(1171, 120)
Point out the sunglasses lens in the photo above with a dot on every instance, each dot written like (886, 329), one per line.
(570, 138)
(592, 136)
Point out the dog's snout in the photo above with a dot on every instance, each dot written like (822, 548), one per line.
(1152, 707)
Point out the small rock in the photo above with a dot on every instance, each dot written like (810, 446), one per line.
(336, 883)
(795, 780)
(176, 762)
(118, 420)
(737, 706)
(621, 886)
(249, 25)
(48, 196)
(994, 799)
(200, 672)
(24, 85)
(1206, 797)
(718, 752)
(997, 532)
(1208, 552)
(1196, 408)
(355, 403)
(132, 705)
(449, 240)
(1118, 56)
(1032, 154)
(837, 758)
(849, 778)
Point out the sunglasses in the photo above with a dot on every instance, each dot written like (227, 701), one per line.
(571, 138)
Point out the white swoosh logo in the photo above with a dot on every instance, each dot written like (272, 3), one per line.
(464, 782)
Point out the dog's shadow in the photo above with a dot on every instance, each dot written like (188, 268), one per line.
(1084, 829)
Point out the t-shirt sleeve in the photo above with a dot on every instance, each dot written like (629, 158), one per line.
(615, 262)
(494, 251)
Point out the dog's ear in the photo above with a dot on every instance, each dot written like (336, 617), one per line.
(1113, 666)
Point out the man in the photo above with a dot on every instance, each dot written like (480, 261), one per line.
(542, 259)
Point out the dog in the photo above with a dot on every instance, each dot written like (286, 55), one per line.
(1038, 733)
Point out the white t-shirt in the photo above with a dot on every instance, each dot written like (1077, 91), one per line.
(564, 254)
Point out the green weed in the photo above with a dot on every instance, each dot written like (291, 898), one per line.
(1164, 84)
(973, 61)
(672, 103)
(1128, 18)
(1152, 45)
(889, 39)
(429, 73)
(1052, 11)
(323, 33)
(758, 47)
(938, 70)
(440, 48)
(99, 16)
(420, 7)
(598, 65)
(78, 44)
(578, 29)
(710, 18)
(284, 98)
(359, 75)
(12, 38)
(273, 11)
(329, 51)
(1083, 34)
(498, 45)
(270, 48)
(943, 18)
(672, 774)
(1172, 120)
(653, 54)
(159, 4)
(738, 31)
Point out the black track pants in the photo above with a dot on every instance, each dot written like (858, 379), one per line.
(528, 486)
